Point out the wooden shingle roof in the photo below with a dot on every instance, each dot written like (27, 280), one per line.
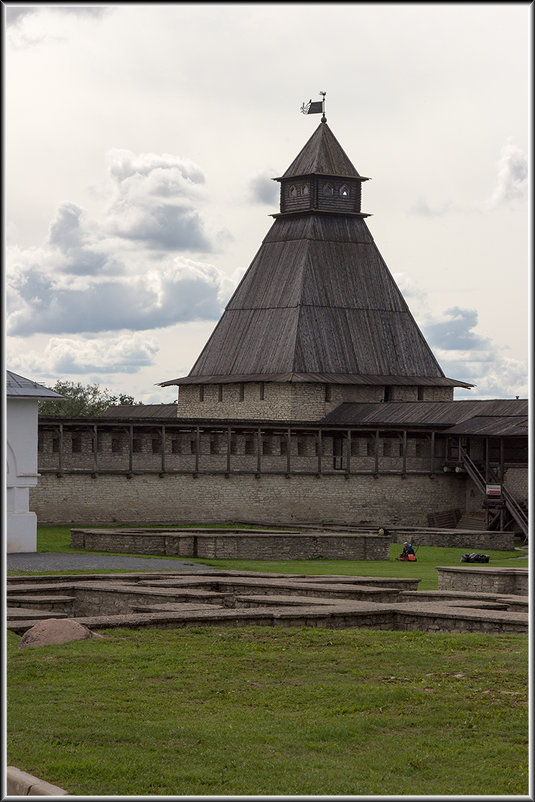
(318, 299)
(499, 417)
(322, 155)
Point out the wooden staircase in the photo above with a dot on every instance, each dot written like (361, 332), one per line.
(473, 521)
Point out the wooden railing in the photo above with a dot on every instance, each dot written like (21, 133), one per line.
(511, 504)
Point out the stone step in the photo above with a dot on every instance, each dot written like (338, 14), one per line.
(171, 607)
(24, 613)
(265, 601)
(37, 600)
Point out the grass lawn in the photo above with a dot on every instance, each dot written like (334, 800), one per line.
(57, 539)
(272, 711)
(262, 711)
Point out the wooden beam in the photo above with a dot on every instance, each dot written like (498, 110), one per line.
(288, 450)
(131, 448)
(95, 447)
(60, 444)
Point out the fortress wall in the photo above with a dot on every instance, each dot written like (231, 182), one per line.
(183, 498)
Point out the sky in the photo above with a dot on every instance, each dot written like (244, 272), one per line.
(140, 146)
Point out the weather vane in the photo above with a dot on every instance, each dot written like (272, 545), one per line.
(316, 107)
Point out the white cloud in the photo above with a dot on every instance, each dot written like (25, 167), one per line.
(262, 188)
(179, 290)
(466, 355)
(454, 331)
(118, 272)
(423, 208)
(153, 200)
(127, 353)
(512, 180)
(33, 25)
(511, 187)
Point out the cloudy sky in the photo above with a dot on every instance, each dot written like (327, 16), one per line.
(140, 143)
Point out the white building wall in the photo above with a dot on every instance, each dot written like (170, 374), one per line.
(21, 428)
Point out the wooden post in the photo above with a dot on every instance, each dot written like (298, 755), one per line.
(163, 448)
(197, 447)
(130, 448)
(288, 449)
(404, 447)
(502, 467)
(376, 451)
(259, 450)
(348, 443)
(432, 452)
(486, 459)
(60, 444)
(95, 446)
(229, 440)
(320, 449)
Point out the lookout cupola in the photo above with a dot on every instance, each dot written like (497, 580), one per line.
(321, 179)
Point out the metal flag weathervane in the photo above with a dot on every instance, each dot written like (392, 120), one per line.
(316, 107)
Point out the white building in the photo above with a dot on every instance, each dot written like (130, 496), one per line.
(23, 397)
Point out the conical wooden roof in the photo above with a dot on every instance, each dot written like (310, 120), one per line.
(322, 155)
(318, 303)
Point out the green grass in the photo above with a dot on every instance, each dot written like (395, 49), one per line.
(245, 711)
(57, 539)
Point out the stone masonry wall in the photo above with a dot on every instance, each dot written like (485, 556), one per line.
(516, 481)
(183, 498)
(272, 546)
(482, 579)
(286, 400)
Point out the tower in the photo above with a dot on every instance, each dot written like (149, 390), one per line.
(318, 318)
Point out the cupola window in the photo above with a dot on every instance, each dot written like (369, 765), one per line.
(304, 191)
(344, 191)
(293, 192)
(328, 189)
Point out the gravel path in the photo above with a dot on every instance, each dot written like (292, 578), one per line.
(51, 561)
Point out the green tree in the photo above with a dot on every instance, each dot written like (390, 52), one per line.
(79, 399)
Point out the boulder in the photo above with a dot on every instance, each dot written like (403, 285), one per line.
(55, 630)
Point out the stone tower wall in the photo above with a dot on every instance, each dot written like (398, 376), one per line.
(288, 400)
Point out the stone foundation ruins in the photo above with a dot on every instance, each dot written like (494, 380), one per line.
(307, 544)
(234, 598)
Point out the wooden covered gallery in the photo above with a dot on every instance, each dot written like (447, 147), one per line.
(316, 373)
(460, 446)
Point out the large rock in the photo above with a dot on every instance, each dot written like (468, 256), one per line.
(55, 630)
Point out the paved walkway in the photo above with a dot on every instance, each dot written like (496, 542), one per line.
(51, 561)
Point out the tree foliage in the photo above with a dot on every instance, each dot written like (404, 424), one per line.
(79, 399)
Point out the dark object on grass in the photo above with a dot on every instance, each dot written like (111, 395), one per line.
(475, 558)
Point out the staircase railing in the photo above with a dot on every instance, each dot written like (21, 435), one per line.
(511, 503)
